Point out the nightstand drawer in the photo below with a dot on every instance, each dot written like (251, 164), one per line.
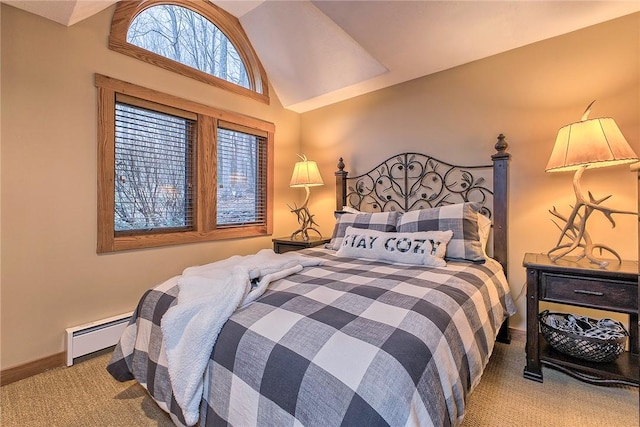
(601, 293)
(281, 248)
(288, 244)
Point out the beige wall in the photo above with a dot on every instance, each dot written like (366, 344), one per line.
(51, 276)
(527, 94)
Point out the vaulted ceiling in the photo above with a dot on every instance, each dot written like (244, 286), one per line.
(320, 52)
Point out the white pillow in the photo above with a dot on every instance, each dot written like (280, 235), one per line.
(484, 230)
(420, 248)
(349, 209)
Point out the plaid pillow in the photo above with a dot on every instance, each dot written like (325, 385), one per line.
(461, 218)
(380, 221)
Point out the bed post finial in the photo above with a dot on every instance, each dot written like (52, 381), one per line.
(341, 185)
(501, 145)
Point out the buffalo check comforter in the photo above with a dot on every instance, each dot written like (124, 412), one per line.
(350, 342)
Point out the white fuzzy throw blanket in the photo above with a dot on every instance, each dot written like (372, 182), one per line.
(208, 296)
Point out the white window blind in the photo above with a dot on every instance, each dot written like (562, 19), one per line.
(153, 168)
(242, 176)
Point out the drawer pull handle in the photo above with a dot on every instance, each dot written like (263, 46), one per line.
(582, 291)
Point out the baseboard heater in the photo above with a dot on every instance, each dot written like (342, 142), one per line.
(94, 336)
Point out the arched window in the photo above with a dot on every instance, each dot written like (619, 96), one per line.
(185, 36)
(195, 39)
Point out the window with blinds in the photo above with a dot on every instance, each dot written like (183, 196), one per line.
(153, 170)
(173, 171)
(242, 177)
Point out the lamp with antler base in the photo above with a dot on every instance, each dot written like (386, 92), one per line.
(589, 143)
(305, 174)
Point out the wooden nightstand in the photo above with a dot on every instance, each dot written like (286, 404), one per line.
(286, 244)
(586, 285)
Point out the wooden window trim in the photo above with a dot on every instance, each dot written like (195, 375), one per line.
(204, 219)
(126, 11)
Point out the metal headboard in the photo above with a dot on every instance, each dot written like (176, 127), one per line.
(410, 181)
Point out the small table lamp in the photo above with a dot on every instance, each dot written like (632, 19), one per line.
(305, 174)
(589, 143)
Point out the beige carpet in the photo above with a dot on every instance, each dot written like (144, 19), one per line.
(85, 395)
(505, 398)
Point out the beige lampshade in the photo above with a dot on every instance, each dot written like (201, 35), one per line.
(306, 174)
(594, 143)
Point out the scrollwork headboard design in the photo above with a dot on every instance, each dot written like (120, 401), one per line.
(411, 181)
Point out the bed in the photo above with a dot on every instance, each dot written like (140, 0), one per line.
(359, 333)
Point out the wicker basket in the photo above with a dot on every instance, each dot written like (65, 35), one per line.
(560, 331)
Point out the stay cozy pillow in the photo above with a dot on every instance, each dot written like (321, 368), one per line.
(380, 221)
(461, 218)
(422, 248)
